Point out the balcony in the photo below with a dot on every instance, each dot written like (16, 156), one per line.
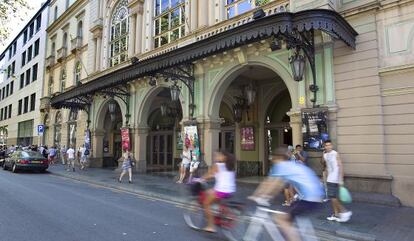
(61, 54)
(76, 44)
(50, 61)
(44, 104)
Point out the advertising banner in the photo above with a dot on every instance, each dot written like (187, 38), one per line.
(247, 139)
(191, 141)
(125, 139)
(88, 139)
(314, 128)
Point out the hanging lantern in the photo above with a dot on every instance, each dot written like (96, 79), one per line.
(111, 108)
(237, 112)
(164, 108)
(175, 92)
(250, 94)
(297, 63)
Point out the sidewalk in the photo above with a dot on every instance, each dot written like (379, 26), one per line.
(369, 222)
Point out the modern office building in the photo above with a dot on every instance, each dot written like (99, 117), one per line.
(298, 72)
(22, 65)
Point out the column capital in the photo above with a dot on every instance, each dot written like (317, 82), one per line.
(98, 132)
(295, 116)
(136, 7)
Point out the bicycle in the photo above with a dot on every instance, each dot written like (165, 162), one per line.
(227, 213)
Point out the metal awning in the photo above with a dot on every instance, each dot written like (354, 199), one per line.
(277, 24)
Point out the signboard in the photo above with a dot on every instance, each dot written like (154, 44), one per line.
(88, 139)
(125, 139)
(191, 141)
(314, 128)
(247, 139)
(40, 130)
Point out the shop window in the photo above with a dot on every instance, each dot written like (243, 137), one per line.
(119, 34)
(237, 7)
(169, 21)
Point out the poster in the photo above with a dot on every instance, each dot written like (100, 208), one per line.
(180, 142)
(247, 139)
(314, 128)
(88, 139)
(191, 141)
(125, 139)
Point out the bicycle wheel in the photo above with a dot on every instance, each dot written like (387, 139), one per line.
(234, 223)
(194, 215)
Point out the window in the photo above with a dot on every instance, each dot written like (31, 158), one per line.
(80, 30)
(10, 51)
(13, 68)
(34, 72)
(10, 111)
(27, 77)
(31, 30)
(67, 4)
(7, 90)
(119, 34)
(78, 69)
(11, 87)
(52, 49)
(50, 87)
(25, 132)
(62, 79)
(14, 48)
(169, 21)
(237, 7)
(29, 53)
(8, 71)
(5, 113)
(65, 40)
(19, 108)
(36, 47)
(55, 13)
(23, 58)
(3, 93)
(1, 114)
(38, 22)
(25, 36)
(21, 81)
(32, 101)
(26, 104)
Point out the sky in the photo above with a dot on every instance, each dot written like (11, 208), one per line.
(17, 25)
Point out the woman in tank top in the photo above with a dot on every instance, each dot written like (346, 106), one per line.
(223, 171)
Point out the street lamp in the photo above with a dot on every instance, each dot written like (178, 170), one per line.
(175, 92)
(250, 94)
(238, 112)
(164, 108)
(297, 63)
(111, 108)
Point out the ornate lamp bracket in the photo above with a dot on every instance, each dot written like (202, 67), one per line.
(122, 92)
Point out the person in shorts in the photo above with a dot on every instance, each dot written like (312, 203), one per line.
(185, 164)
(71, 158)
(83, 159)
(302, 178)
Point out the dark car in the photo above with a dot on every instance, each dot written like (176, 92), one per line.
(25, 160)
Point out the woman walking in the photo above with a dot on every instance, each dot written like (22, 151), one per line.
(127, 165)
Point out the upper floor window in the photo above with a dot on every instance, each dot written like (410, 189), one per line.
(62, 79)
(31, 30)
(55, 13)
(119, 34)
(80, 30)
(237, 7)
(78, 69)
(50, 87)
(65, 40)
(169, 21)
(38, 22)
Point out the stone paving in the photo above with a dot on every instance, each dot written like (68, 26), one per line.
(369, 222)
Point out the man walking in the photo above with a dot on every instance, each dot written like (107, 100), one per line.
(71, 158)
(83, 156)
(335, 177)
(63, 154)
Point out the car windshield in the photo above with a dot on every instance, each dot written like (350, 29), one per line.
(31, 154)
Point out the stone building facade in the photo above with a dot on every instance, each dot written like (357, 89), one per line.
(365, 84)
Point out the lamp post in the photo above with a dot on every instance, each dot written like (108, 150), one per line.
(297, 63)
(111, 108)
(163, 109)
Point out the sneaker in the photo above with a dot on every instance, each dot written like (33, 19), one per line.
(333, 218)
(345, 217)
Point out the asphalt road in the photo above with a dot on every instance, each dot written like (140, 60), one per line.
(43, 207)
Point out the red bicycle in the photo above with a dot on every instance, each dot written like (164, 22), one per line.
(228, 214)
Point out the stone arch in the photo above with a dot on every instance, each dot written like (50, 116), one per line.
(228, 75)
(274, 92)
(102, 110)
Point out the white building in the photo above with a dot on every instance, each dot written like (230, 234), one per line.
(22, 65)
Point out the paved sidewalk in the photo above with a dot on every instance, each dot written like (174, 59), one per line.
(369, 222)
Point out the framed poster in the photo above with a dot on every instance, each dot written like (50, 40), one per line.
(191, 141)
(179, 141)
(314, 128)
(125, 139)
(247, 138)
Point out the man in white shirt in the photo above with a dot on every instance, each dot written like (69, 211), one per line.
(71, 158)
(83, 157)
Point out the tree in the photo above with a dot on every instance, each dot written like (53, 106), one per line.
(11, 10)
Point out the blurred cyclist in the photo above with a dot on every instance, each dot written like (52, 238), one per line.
(302, 178)
(223, 173)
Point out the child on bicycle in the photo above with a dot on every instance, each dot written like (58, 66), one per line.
(223, 171)
(302, 178)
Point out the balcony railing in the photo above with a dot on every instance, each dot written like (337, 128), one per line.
(76, 44)
(50, 61)
(61, 54)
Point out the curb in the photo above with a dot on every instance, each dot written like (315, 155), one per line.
(349, 235)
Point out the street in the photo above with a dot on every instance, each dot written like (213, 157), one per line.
(43, 207)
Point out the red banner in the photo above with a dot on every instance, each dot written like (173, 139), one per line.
(125, 139)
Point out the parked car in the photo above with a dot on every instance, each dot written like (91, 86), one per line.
(25, 160)
(2, 155)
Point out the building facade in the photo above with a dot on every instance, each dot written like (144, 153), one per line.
(22, 83)
(233, 67)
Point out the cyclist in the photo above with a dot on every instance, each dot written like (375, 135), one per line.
(223, 171)
(302, 178)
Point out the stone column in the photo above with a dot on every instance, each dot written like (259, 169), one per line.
(140, 148)
(96, 159)
(98, 53)
(211, 129)
(194, 14)
(132, 35)
(203, 13)
(139, 30)
(296, 125)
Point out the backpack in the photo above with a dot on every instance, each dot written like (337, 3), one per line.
(86, 153)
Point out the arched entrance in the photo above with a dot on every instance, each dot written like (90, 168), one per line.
(112, 143)
(254, 102)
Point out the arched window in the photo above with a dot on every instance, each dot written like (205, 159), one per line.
(80, 29)
(119, 34)
(78, 69)
(62, 79)
(169, 21)
(65, 40)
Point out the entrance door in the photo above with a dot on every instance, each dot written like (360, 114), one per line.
(226, 140)
(161, 151)
(275, 137)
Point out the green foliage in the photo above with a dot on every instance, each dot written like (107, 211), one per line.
(261, 2)
(10, 10)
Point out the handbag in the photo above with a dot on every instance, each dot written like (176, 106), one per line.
(344, 195)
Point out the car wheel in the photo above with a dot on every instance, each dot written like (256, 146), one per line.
(14, 168)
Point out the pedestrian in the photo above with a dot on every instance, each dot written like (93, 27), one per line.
(71, 158)
(52, 155)
(127, 165)
(289, 191)
(335, 178)
(45, 152)
(63, 154)
(185, 164)
(83, 152)
(193, 168)
(301, 155)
